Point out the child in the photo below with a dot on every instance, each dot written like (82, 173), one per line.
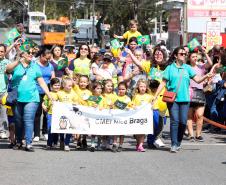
(95, 66)
(11, 121)
(133, 24)
(98, 103)
(142, 96)
(122, 97)
(67, 95)
(154, 140)
(83, 92)
(109, 98)
(47, 106)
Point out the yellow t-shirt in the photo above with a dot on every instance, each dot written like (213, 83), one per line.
(48, 103)
(68, 97)
(82, 66)
(125, 99)
(127, 35)
(83, 95)
(109, 99)
(139, 99)
(9, 110)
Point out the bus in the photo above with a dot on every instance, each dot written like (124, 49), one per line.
(33, 22)
(53, 32)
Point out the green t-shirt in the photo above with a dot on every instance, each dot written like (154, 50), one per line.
(172, 76)
(25, 79)
(3, 77)
(82, 66)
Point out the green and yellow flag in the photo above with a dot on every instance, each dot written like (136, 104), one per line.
(115, 44)
(95, 99)
(63, 63)
(27, 45)
(193, 44)
(11, 35)
(143, 40)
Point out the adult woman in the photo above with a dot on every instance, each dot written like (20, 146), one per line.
(81, 65)
(133, 73)
(25, 75)
(58, 62)
(47, 73)
(197, 105)
(176, 78)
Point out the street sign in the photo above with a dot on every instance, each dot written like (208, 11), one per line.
(213, 37)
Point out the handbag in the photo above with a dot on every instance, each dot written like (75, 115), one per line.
(168, 96)
(12, 97)
(198, 96)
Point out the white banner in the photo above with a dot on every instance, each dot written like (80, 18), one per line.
(67, 118)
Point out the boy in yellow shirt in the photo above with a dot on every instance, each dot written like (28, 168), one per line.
(132, 32)
(47, 106)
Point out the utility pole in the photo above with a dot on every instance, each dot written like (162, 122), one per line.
(93, 25)
(185, 25)
(44, 7)
(135, 9)
(70, 26)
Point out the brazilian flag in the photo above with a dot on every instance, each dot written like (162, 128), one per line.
(115, 44)
(143, 40)
(95, 99)
(11, 35)
(193, 44)
(63, 63)
(27, 45)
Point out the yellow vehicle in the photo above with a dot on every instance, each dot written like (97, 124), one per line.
(53, 33)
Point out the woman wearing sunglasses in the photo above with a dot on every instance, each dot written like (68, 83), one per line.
(25, 75)
(176, 78)
(81, 65)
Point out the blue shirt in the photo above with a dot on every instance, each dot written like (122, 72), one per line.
(3, 77)
(46, 74)
(172, 75)
(25, 79)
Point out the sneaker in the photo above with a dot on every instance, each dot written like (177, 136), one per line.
(29, 148)
(178, 148)
(84, 144)
(174, 149)
(119, 149)
(17, 146)
(11, 145)
(192, 139)
(3, 135)
(158, 143)
(66, 148)
(92, 149)
(199, 138)
(79, 145)
(48, 147)
(45, 137)
(36, 139)
(62, 145)
(140, 149)
(114, 148)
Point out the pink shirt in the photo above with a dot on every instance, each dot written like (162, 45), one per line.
(200, 70)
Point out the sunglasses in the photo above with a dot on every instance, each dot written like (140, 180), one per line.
(182, 54)
(86, 49)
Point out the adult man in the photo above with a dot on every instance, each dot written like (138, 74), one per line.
(3, 89)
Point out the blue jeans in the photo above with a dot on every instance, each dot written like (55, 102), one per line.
(24, 120)
(178, 120)
(52, 137)
(157, 127)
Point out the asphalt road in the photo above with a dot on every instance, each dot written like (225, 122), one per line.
(196, 164)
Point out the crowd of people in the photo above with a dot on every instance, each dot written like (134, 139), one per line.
(31, 81)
